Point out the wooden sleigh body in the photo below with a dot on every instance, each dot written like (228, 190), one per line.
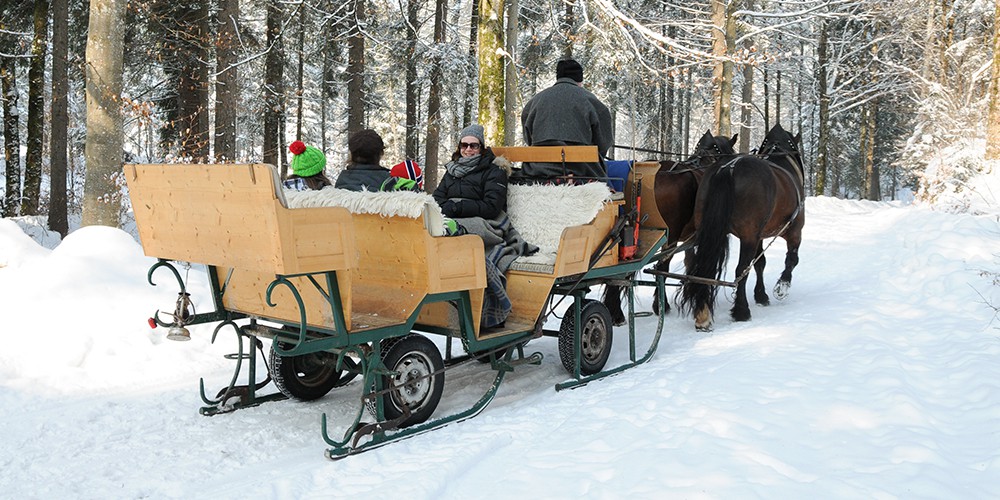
(353, 287)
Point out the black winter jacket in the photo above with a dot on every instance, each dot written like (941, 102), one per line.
(480, 193)
(360, 176)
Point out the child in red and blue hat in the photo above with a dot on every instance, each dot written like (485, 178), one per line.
(404, 176)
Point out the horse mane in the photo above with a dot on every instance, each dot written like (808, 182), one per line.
(780, 142)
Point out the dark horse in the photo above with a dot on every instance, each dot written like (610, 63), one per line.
(752, 197)
(675, 187)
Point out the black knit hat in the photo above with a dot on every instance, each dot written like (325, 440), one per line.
(569, 68)
(366, 146)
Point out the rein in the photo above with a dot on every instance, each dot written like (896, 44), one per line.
(774, 238)
(645, 150)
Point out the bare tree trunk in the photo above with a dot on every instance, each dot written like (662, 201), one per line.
(660, 124)
(36, 111)
(945, 38)
(434, 103)
(58, 220)
(868, 114)
(686, 114)
(777, 96)
(103, 152)
(511, 109)
(767, 101)
(823, 140)
(356, 72)
(929, 47)
(470, 90)
(11, 138)
(872, 180)
(192, 81)
(746, 107)
(323, 95)
(723, 45)
(412, 87)
(330, 75)
(491, 74)
(669, 93)
(227, 87)
(300, 90)
(274, 87)
(566, 27)
(993, 127)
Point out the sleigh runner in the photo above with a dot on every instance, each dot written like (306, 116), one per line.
(351, 290)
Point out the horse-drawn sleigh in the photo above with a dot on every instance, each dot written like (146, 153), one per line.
(352, 290)
(353, 287)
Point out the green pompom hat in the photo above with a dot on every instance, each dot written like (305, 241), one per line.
(307, 160)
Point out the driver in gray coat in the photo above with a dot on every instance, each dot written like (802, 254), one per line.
(566, 114)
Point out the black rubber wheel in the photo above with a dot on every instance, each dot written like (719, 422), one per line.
(307, 376)
(595, 337)
(414, 358)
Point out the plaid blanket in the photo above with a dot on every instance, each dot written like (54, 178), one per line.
(502, 244)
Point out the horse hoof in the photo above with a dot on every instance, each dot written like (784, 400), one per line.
(740, 314)
(706, 328)
(656, 309)
(781, 289)
(762, 300)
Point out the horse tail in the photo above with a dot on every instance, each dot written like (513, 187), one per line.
(711, 241)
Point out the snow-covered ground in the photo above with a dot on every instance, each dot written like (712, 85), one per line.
(879, 377)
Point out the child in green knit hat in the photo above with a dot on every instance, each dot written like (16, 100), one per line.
(308, 163)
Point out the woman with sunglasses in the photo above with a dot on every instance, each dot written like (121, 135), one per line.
(473, 192)
(472, 186)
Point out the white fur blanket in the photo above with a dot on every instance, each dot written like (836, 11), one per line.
(538, 212)
(408, 204)
(541, 212)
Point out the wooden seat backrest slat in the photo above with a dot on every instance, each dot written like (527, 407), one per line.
(230, 216)
(549, 154)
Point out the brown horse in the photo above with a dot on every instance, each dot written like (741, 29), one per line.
(675, 187)
(752, 198)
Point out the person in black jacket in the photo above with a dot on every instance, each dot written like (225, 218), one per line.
(472, 185)
(473, 193)
(364, 173)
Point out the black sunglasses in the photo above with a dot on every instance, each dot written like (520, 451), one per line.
(468, 145)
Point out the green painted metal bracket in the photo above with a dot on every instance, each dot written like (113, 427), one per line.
(168, 266)
(302, 344)
(245, 395)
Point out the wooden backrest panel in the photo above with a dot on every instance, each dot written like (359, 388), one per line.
(549, 154)
(230, 216)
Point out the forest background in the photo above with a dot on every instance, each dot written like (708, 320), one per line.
(892, 97)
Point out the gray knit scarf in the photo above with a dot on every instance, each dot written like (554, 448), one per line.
(462, 166)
